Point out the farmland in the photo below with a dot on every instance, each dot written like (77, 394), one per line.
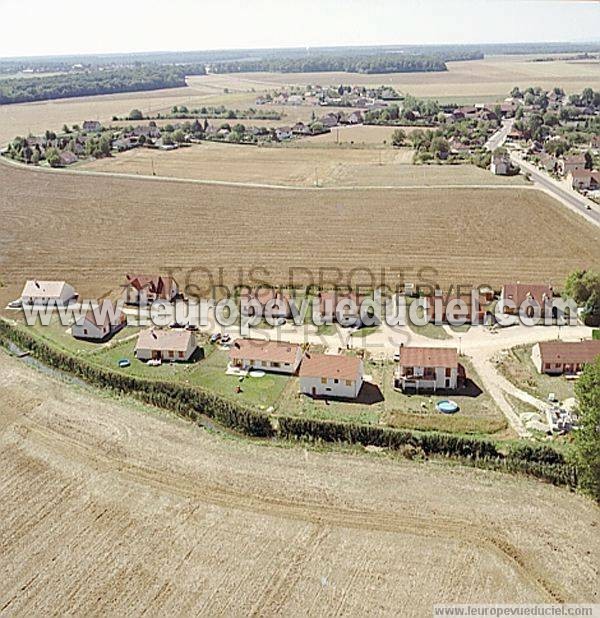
(485, 80)
(171, 517)
(90, 230)
(305, 165)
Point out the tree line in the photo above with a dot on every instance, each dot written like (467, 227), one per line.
(92, 82)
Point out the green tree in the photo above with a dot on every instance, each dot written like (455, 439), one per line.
(179, 136)
(135, 114)
(398, 138)
(105, 145)
(53, 157)
(584, 288)
(587, 438)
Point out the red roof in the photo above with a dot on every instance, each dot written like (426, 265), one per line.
(428, 357)
(259, 349)
(331, 366)
(562, 352)
(520, 292)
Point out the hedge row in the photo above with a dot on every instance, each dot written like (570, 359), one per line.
(541, 461)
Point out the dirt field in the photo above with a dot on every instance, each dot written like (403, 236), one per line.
(302, 165)
(90, 230)
(142, 512)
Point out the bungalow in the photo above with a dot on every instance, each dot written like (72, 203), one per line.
(327, 375)
(518, 293)
(92, 126)
(165, 345)
(582, 179)
(67, 158)
(99, 324)
(569, 164)
(145, 289)
(549, 163)
(47, 293)
(561, 357)
(427, 369)
(273, 356)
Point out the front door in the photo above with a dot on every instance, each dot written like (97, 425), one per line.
(156, 355)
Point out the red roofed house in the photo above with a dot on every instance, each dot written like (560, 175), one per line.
(271, 302)
(558, 357)
(521, 292)
(328, 375)
(165, 345)
(450, 308)
(100, 323)
(274, 356)
(145, 289)
(568, 164)
(581, 179)
(427, 369)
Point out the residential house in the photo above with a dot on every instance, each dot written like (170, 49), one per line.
(350, 311)
(301, 129)
(270, 303)
(569, 164)
(165, 345)
(92, 126)
(273, 356)
(519, 293)
(283, 133)
(561, 357)
(331, 376)
(473, 310)
(145, 289)
(329, 121)
(101, 323)
(595, 143)
(355, 118)
(427, 369)
(549, 163)
(67, 158)
(584, 180)
(501, 165)
(47, 293)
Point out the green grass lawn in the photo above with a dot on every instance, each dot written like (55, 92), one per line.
(365, 331)
(518, 368)
(326, 329)
(429, 330)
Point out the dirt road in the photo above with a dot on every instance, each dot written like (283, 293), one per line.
(116, 509)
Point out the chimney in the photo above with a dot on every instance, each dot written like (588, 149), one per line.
(37, 285)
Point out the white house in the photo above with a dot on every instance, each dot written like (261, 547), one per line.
(558, 357)
(501, 165)
(100, 323)
(165, 345)
(47, 293)
(284, 133)
(328, 375)
(427, 369)
(273, 356)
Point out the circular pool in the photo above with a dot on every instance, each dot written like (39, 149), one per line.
(447, 406)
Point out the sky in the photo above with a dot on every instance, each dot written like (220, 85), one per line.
(46, 27)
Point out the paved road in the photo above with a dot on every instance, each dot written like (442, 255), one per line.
(572, 199)
(499, 137)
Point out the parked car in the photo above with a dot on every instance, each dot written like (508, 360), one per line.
(191, 327)
(177, 325)
(225, 338)
(214, 338)
(396, 357)
(15, 304)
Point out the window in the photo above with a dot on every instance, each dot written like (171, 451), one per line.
(448, 372)
(336, 381)
(170, 353)
(349, 382)
(547, 365)
(85, 331)
(180, 354)
(323, 380)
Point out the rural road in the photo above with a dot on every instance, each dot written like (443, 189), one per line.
(499, 137)
(570, 198)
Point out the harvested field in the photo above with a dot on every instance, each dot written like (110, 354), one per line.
(300, 165)
(491, 78)
(139, 511)
(90, 230)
